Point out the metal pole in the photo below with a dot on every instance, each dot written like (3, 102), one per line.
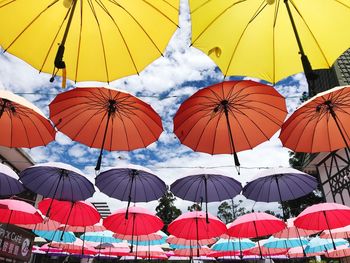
(206, 198)
(133, 173)
(330, 232)
(280, 195)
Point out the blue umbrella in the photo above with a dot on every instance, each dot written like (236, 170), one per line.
(9, 184)
(57, 235)
(320, 244)
(273, 242)
(206, 188)
(280, 184)
(100, 237)
(131, 184)
(233, 244)
(150, 242)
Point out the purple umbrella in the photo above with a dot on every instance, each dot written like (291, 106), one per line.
(206, 188)
(131, 184)
(280, 184)
(57, 181)
(9, 184)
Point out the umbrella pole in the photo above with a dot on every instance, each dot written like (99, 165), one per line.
(240, 248)
(235, 156)
(137, 241)
(301, 242)
(206, 199)
(197, 236)
(132, 233)
(256, 233)
(133, 173)
(64, 229)
(330, 232)
(111, 108)
(54, 194)
(82, 250)
(280, 195)
(8, 222)
(309, 73)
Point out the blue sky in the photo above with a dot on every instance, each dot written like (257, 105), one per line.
(164, 84)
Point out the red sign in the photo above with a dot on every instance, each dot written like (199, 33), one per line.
(16, 243)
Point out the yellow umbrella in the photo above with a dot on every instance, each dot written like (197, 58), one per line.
(98, 40)
(261, 38)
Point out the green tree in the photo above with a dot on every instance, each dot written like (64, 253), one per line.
(194, 207)
(228, 212)
(166, 209)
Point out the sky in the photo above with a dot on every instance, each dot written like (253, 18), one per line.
(164, 84)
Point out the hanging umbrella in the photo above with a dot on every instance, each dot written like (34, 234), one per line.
(149, 252)
(152, 239)
(100, 237)
(139, 222)
(233, 244)
(324, 216)
(279, 185)
(285, 243)
(48, 249)
(230, 117)
(320, 124)
(9, 184)
(46, 225)
(131, 185)
(341, 252)
(291, 231)
(22, 124)
(98, 227)
(111, 36)
(56, 235)
(173, 240)
(248, 38)
(106, 119)
(255, 225)
(192, 252)
(206, 188)
(78, 213)
(57, 181)
(317, 245)
(261, 249)
(342, 232)
(195, 226)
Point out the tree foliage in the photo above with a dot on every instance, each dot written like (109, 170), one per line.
(166, 209)
(194, 207)
(228, 212)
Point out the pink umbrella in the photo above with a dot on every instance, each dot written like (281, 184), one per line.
(292, 231)
(18, 212)
(266, 251)
(298, 252)
(255, 225)
(139, 222)
(189, 252)
(49, 249)
(98, 227)
(189, 242)
(341, 252)
(80, 213)
(149, 252)
(342, 232)
(324, 216)
(152, 236)
(46, 225)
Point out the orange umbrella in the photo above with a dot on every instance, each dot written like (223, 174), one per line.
(322, 124)
(230, 117)
(22, 124)
(106, 119)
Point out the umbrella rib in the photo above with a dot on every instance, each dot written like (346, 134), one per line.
(98, 127)
(79, 41)
(101, 37)
(35, 126)
(233, 115)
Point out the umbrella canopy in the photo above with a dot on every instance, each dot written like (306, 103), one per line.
(206, 188)
(100, 237)
(192, 252)
(173, 240)
(292, 231)
(285, 243)
(47, 248)
(149, 252)
(98, 227)
(193, 225)
(18, 212)
(230, 117)
(249, 38)
(9, 184)
(58, 181)
(278, 185)
(254, 225)
(342, 232)
(46, 225)
(22, 124)
(317, 245)
(56, 235)
(321, 124)
(105, 118)
(131, 185)
(233, 244)
(323, 216)
(339, 253)
(78, 213)
(262, 250)
(159, 235)
(111, 36)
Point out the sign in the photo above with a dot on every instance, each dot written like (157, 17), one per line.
(16, 243)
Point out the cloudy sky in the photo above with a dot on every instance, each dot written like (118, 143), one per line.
(164, 84)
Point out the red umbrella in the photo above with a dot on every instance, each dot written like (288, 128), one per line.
(324, 216)
(46, 225)
(139, 222)
(321, 124)
(80, 213)
(230, 117)
(106, 119)
(189, 242)
(255, 225)
(23, 124)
